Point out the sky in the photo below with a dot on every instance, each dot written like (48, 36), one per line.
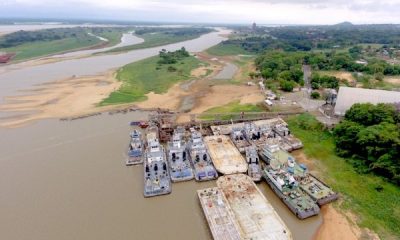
(210, 11)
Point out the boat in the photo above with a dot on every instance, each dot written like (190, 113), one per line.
(257, 135)
(198, 154)
(256, 216)
(239, 139)
(254, 167)
(156, 175)
(225, 156)
(141, 124)
(280, 173)
(178, 159)
(136, 149)
(315, 188)
(219, 215)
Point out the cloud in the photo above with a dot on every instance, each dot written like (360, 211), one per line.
(235, 11)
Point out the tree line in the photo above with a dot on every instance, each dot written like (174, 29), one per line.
(370, 136)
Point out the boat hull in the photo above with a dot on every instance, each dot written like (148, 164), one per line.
(298, 213)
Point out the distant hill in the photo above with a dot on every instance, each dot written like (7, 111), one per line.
(344, 24)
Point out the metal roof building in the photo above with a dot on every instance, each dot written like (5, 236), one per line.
(348, 96)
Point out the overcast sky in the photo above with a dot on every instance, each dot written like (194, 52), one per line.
(216, 11)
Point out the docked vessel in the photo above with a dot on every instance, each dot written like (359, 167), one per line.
(254, 167)
(203, 167)
(135, 149)
(315, 188)
(178, 159)
(280, 175)
(225, 156)
(156, 176)
(256, 216)
(219, 215)
(239, 139)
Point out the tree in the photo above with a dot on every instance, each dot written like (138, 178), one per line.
(287, 86)
(315, 95)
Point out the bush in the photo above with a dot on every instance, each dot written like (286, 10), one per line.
(315, 95)
(287, 86)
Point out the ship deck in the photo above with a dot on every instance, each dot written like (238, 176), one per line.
(255, 215)
(219, 216)
(225, 156)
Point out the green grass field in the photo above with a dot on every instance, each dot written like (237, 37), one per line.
(140, 78)
(154, 40)
(232, 107)
(227, 50)
(43, 48)
(376, 210)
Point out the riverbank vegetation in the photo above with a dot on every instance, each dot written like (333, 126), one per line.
(33, 44)
(370, 136)
(154, 37)
(154, 74)
(374, 200)
(228, 109)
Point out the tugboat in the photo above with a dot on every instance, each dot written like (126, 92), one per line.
(254, 168)
(156, 176)
(280, 175)
(203, 167)
(178, 159)
(239, 139)
(135, 151)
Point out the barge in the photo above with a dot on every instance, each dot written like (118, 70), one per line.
(219, 215)
(225, 156)
(256, 216)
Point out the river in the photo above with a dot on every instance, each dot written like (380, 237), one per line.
(67, 179)
(17, 77)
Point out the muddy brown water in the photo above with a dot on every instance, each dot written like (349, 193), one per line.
(67, 180)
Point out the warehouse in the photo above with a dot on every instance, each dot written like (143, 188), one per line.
(348, 96)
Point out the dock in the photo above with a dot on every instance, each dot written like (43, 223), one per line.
(255, 215)
(226, 157)
(219, 215)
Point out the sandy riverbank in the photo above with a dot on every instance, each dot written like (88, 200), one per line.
(58, 99)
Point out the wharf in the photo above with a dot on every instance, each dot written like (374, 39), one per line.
(255, 215)
(219, 215)
(225, 156)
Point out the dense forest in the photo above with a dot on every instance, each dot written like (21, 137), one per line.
(21, 37)
(286, 66)
(306, 38)
(370, 136)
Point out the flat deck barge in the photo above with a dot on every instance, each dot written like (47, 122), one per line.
(219, 215)
(256, 216)
(225, 156)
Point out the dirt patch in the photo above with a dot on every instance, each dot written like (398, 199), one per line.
(170, 99)
(220, 95)
(336, 226)
(64, 98)
(393, 80)
(199, 72)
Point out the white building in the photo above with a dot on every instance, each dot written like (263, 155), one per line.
(348, 96)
